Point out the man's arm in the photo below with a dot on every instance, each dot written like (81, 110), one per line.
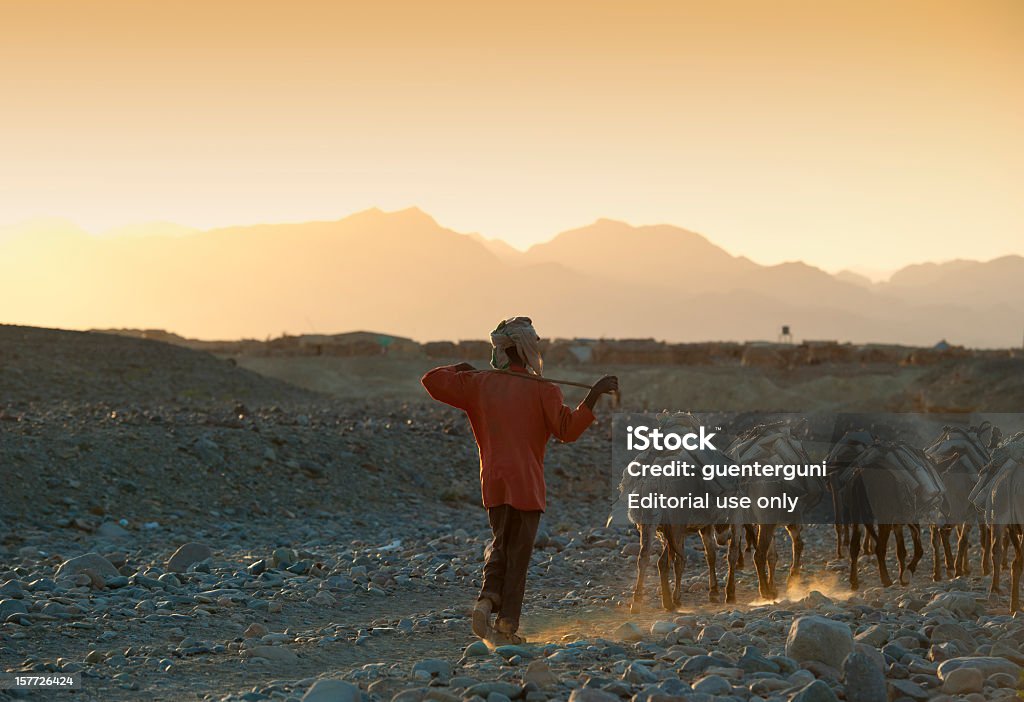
(449, 384)
(607, 384)
(567, 424)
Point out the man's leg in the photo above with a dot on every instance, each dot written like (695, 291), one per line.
(495, 557)
(520, 535)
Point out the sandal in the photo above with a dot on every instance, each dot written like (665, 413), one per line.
(499, 638)
(482, 619)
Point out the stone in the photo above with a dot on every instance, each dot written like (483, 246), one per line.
(701, 663)
(753, 662)
(801, 678)
(628, 631)
(864, 679)
(484, 689)
(592, 694)
(283, 557)
(949, 631)
(11, 589)
(639, 674)
(817, 691)
(1011, 652)
(9, 607)
(906, 688)
(988, 665)
(875, 635)
(323, 599)
(276, 654)
(963, 605)
(112, 530)
(764, 687)
(815, 599)
(713, 685)
(539, 673)
(92, 561)
(477, 648)
(332, 691)
(710, 634)
(255, 631)
(186, 555)
(661, 628)
(814, 638)
(962, 681)
(1002, 680)
(508, 651)
(872, 653)
(462, 681)
(434, 668)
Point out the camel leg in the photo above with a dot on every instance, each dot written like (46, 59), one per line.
(664, 573)
(707, 536)
(641, 566)
(881, 549)
(901, 553)
(1017, 539)
(749, 532)
(985, 539)
(734, 555)
(997, 558)
(854, 553)
(796, 536)
(870, 539)
(918, 550)
(679, 543)
(947, 548)
(765, 588)
(936, 535)
(936, 565)
(962, 564)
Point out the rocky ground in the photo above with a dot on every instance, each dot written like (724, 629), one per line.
(200, 532)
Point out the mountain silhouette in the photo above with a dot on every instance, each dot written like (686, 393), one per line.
(404, 273)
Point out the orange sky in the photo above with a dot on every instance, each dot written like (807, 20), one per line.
(843, 133)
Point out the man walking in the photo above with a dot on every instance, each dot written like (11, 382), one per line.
(513, 414)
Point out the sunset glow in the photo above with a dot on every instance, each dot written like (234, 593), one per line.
(869, 134)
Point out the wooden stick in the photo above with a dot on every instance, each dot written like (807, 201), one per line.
(545, 379)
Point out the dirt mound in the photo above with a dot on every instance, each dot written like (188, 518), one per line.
(970, 385)
(50, 365)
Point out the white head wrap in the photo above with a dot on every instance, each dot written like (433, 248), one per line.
(517, 332)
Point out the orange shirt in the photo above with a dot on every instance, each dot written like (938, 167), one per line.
(512, 420)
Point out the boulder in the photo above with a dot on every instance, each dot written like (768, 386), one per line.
(988, 665)
(963, 681)
(276, 654)
(863, 678)
(186, 555)
(86, 563)
(332, 691)
(817, 691)
(592, 694)
(814, 638)
(539, 673)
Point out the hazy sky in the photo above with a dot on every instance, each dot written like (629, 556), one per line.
(856, 133)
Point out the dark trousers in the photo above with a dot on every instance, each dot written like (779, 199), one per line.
(507, 560)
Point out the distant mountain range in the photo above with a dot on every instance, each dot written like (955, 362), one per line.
(403, 273)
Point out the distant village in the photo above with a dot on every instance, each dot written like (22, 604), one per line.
(784, 353)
